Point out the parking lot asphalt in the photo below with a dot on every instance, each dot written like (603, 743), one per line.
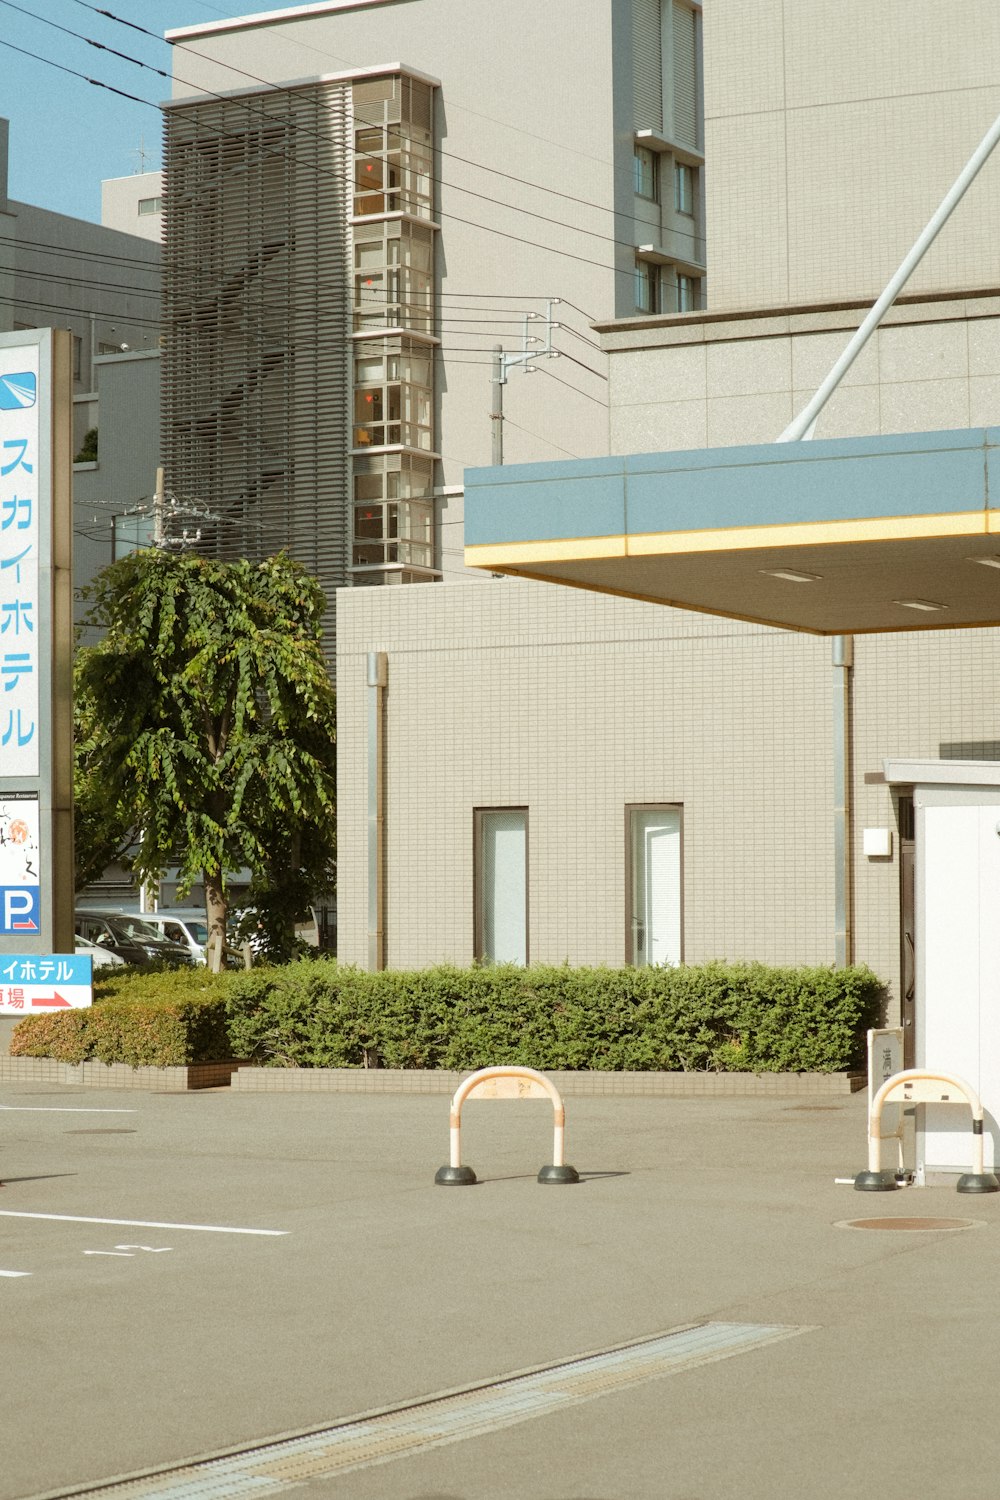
(194, 1274)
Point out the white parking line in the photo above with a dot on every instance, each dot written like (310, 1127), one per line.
(6, 1213)
(63, 1109)
(15, 1273)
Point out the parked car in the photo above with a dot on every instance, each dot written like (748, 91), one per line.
(103, 958)
(130, 938)
(188, 928)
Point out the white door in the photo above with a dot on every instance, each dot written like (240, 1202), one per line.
(503, 885)
(656, 885)
(958, 1024)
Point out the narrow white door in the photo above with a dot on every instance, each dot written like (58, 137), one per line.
(656, 885)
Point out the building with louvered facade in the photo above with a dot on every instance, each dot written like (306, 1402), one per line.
(363, 202)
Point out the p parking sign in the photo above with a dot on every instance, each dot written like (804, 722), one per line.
(20, 903)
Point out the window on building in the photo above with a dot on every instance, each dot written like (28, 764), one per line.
(393, 511)
(683, 187)
(688, 293)
(393, 382)
(77, 357)
(645, 173)
(392, 147)
(501, 884)
(393, 276)
(647, 286)
(150, 205)
(654, 893)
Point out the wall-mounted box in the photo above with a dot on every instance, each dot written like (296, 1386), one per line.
(877, 843)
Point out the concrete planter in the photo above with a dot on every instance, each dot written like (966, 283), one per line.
(171, 1080)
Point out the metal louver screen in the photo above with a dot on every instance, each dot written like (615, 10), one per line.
(685, 75)
(647, 71)
(256, 316)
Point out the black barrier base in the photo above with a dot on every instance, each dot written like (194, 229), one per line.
(454, 1176)
(558, 1174)
(978, 1182)
(876, 1182)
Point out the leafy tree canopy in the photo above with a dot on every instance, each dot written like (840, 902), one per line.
(205, 727)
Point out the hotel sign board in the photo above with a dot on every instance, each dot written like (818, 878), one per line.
(36, 642)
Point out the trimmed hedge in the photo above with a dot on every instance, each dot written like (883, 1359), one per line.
(712, 1017)
(315, 1013)
(145, 1020)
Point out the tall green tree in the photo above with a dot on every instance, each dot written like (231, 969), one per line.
(205, 727)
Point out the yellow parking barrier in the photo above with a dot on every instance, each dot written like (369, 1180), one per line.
(924, 1086)
(506, 1083)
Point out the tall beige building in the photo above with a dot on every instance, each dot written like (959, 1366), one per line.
(568, 775)
(363, 202)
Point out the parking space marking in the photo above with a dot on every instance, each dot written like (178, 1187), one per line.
(127, 1252)
(64, 1109)
(15, 1273)
(6, 1213)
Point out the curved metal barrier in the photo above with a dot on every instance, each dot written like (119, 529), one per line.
(924, 1086)
(505, 1083)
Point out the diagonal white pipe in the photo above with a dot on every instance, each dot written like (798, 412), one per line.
(800, 426)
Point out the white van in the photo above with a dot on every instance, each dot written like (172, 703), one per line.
(187, 927)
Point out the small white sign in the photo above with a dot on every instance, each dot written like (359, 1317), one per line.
(885, 1060)
(31, 983)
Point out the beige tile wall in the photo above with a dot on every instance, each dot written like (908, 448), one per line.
(576, 705)
(833, 128)
(932, 364)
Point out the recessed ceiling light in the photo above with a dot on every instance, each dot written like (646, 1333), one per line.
(985, 562)
(791, 575)
(927, 604)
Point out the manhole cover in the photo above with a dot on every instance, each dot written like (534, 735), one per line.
(909, 1225)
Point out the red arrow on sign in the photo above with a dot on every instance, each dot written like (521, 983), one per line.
(48, 1004)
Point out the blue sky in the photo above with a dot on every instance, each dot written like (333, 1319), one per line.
(66, 135)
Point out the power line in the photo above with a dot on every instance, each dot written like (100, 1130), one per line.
(443, 296)
(342, 176)
(268, 83)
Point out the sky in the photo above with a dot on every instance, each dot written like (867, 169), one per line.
(67, 135)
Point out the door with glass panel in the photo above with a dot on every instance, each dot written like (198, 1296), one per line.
(654, 836)
(501, 894)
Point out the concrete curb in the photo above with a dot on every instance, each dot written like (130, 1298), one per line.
(251, 1080)
(571, 1084)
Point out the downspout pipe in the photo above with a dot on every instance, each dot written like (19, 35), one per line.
(377, 677)
(843, 934)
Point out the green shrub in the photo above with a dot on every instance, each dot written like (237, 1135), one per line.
(712, 1017)
(315, 1013)
(143, 1019)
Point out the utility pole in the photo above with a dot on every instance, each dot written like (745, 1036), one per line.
(503, 362)
(158, 509)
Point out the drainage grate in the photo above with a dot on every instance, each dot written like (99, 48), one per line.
(910, 1225)
(362, 1442)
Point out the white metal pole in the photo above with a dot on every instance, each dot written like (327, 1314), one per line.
(799, 427)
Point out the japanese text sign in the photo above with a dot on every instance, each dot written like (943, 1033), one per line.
(19, 561)
(32, 982)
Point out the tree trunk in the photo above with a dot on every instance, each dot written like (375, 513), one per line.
(216, 908)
